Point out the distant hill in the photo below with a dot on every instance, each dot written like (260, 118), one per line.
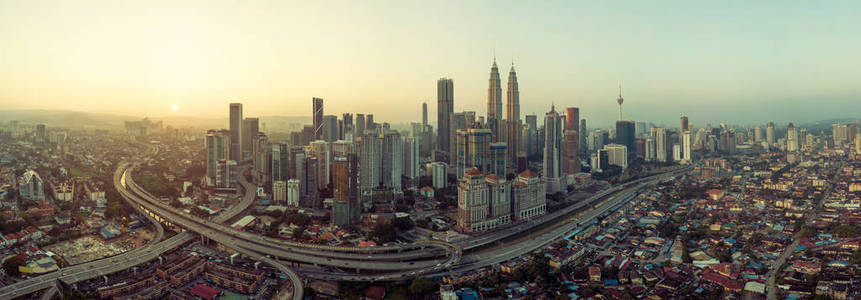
(64, 118)
(77, 119)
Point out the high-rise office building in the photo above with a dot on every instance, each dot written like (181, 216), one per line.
(226, 172)
(650, 149)
(445, 108)
(323, 152)
(250, 128)
(497, 154)
(686, 146)
(584, 134)
(330, 128)
(572, 118)
(552, 151)
(662, 144)
(857, 143)
(345, 205)
(531, 139)
(347, 128)
(294, 195)
(369, 122)
(617, 155)
(393, 160)
(494, 104)
(472, 151)
(310, 176)
(439, 174)
(276, 167)
(512, 117)
(769, 133)
(597, 139)
(683, 124)
(625, 134)
(411, 157)
(317, 113)
(840, 134)
(370, 156)
(424, 114)
(236, 131)
(360, 126)
(791, 138)
(570, 152)
(217, 148)
(757, 135)
(41, 135)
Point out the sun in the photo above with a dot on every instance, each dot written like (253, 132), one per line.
(174, 107)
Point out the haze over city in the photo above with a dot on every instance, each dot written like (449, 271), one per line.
(452, 150)
(731, 62)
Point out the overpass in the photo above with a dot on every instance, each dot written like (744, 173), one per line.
(351, 258)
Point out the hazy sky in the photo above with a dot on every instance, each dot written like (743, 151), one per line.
(741, 61)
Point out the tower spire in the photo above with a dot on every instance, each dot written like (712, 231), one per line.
(619, 101)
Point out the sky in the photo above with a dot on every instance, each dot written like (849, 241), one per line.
(730, 61)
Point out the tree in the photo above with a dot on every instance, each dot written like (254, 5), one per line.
(11, 265)
(421, 286)
(383, 232)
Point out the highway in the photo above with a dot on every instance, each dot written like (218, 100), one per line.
(95, 268)
(479, 260)
(250, 243)
(490, 238)
(113, 264)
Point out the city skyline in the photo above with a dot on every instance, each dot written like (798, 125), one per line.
(726, 58)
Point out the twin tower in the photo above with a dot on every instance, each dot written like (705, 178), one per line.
(504, 130)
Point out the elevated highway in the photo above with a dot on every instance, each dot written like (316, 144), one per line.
(348, 258)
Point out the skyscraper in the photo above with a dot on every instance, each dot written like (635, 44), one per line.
(552, 151)
(236, 131)
(791, 138)
(686, 146)
(571, 142)
(424, 114)
(411, 157)
(512, 117)
(617, 155)
(217, 148)
(250, 128)
(683, 126)
(757, 135)
(625, 134)
(531, 139)
(662, 144)
(445, 107)
(494, 103)
(769, 133)
(497, 155)
(473, 151)
(360, 126)
(330, 128)
(345, 205)
(572, 118)
(570, 152)
(392, 160)
(370, 156)
(347, 132)
(583, 135)
(317, 113)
